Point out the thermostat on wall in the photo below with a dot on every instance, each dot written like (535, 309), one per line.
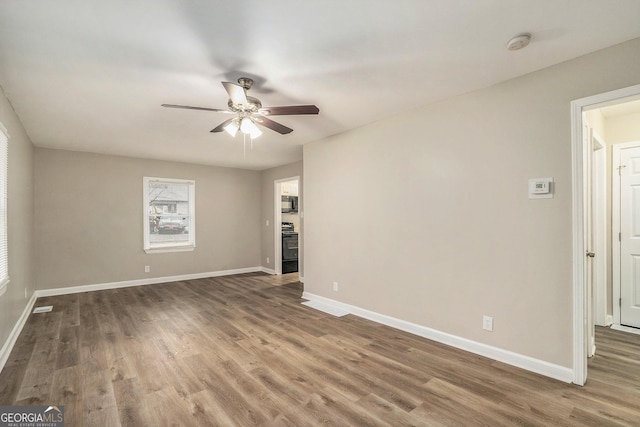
(541, 188)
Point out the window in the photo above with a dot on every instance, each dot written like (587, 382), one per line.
(4, 250)
(169, 220)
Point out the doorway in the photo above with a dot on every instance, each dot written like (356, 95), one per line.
(626, 214)
(287, 227)
(584, 245)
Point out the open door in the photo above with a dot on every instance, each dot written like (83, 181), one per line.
(581, 323)
(629, 172)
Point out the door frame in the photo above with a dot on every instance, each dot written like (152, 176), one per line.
(600, 220)
(277, 218)
(578, 156)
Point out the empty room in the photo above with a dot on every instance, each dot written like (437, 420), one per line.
(348, 213)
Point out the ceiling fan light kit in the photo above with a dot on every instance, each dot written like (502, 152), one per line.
(249, 111)
(249, 128)
(232, 128)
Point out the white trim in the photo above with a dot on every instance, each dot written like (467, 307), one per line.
(627, 329)
(300, 278)
(600, 232)
(267, 270)
(189, 248)
(141, 282)
(579, 262)
(579, 250)
(609, 320)
(15, 332)
(277, 227)
(521, 361)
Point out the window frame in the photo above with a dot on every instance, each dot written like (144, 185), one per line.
(190, 245)
(4, 211)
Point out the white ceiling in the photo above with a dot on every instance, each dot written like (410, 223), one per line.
(91, 75)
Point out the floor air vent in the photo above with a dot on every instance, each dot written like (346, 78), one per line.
(43, 309)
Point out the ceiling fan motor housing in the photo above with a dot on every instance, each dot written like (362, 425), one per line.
(252, 106)
(245, 82)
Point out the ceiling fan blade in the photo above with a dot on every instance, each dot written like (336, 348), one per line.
(221, 126)
(236, 93)
(188, 107)
(290, 110)
(268, 123)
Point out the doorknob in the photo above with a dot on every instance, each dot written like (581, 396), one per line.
(591, 254)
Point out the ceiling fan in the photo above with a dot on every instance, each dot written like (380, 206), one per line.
(248, 111)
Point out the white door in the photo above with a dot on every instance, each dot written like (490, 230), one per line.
(630, 237)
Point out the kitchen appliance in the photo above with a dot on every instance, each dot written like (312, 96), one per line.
(289, 248)
(289, 204)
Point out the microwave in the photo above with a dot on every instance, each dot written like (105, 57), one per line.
(289, 204)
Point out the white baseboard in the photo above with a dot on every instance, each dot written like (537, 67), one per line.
(626, 329)
(15, 332)
(521, 361)
(267, 270)
(140, 282)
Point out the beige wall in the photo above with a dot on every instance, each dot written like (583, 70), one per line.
(440, 230)
(268, 177)
(89, 219)
(621, 129)
(20, 221)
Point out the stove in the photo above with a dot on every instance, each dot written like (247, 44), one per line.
(287, 227)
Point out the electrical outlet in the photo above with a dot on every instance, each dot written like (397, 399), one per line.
(147, 268)
(335, 286)
(25, 293)
(267, 260)
(267, 223)
(487, 323)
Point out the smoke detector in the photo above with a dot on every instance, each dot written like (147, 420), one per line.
(519, 42)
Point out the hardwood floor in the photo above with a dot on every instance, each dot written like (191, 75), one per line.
(242, 350)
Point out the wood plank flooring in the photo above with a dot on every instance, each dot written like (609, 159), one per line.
(241, 351)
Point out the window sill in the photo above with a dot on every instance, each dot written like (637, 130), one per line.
(167, 249)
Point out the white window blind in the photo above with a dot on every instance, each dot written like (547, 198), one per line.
(4, 250)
